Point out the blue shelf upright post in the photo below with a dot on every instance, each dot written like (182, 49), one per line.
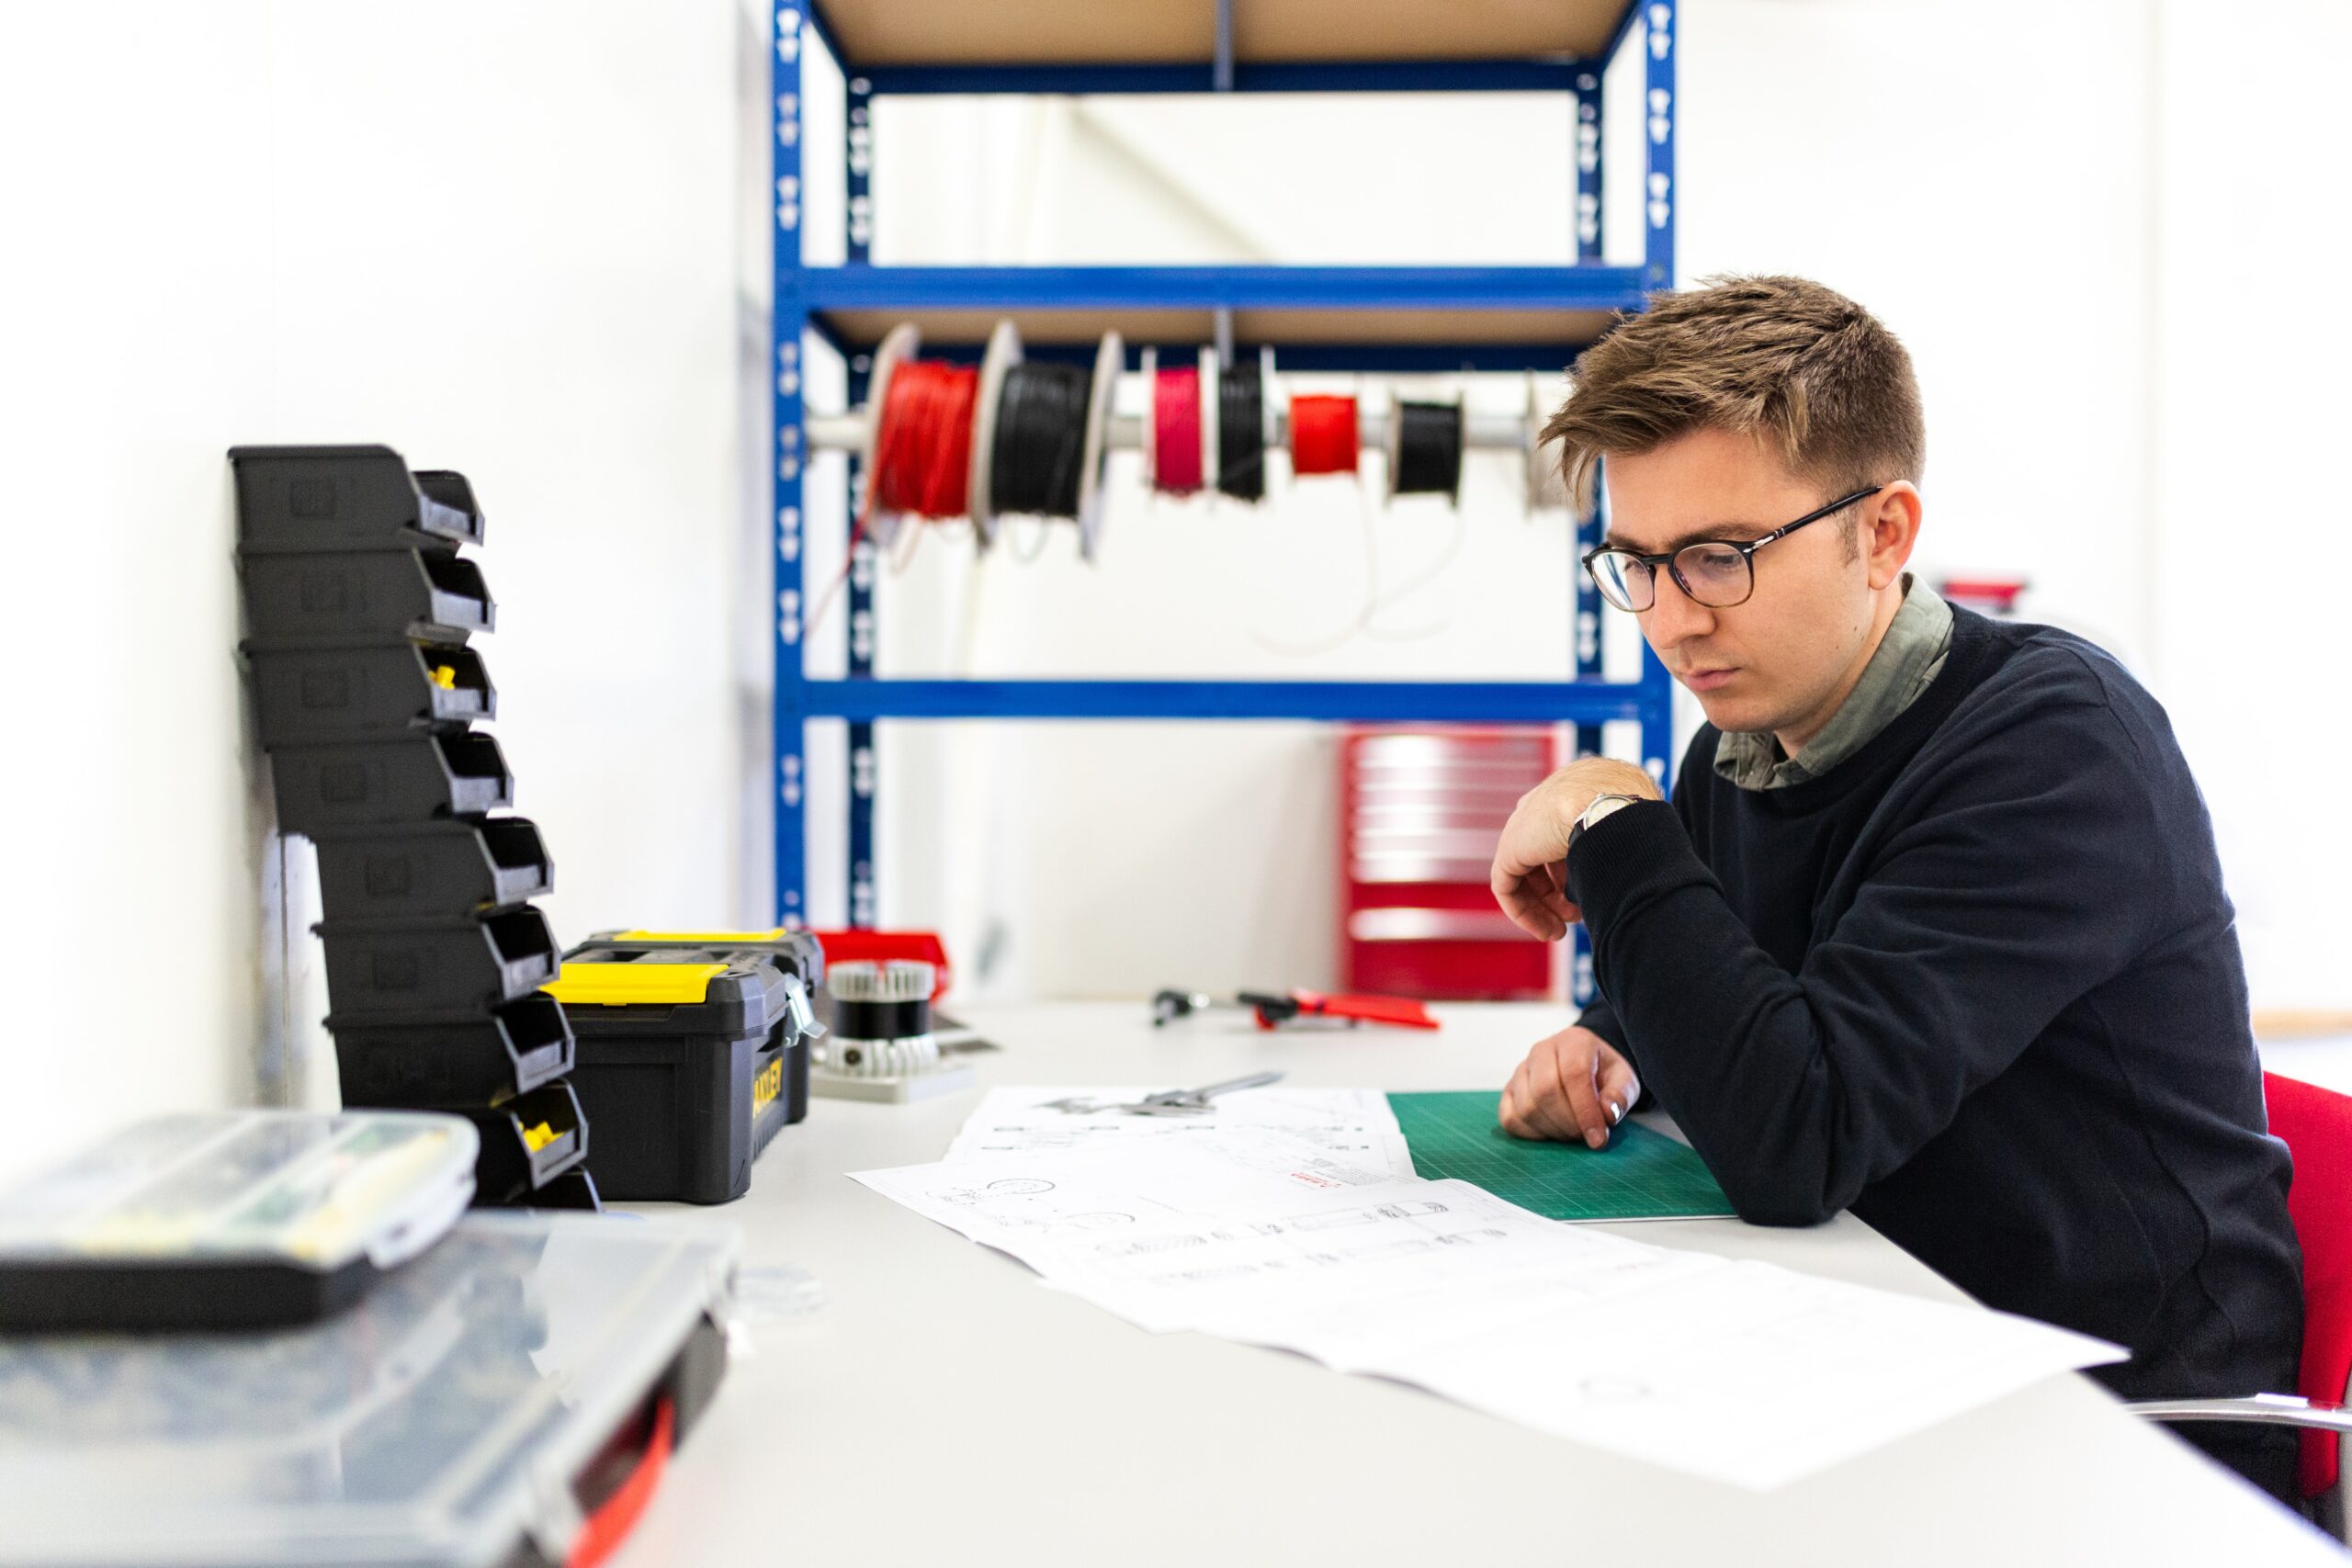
(788, 326)
(1658, 271)
(1587, 597)
(1658, 103)
(864, 630)
(1590, 234)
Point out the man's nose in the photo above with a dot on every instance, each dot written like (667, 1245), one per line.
(1674, 617)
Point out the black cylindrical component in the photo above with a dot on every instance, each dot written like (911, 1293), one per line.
(1040, 440)
(1428, 448)
(1241, 432)
(881, 1020)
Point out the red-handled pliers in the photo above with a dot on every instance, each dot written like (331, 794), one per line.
(1273, 1011)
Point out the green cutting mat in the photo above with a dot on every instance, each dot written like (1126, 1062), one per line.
(1640, 1175)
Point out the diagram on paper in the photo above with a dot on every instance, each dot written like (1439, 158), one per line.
(1353, 1130)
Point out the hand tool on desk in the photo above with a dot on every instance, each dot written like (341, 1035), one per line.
(1167, 1102)
(1272, 1011)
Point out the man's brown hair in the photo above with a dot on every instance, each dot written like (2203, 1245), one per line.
(1803, 368)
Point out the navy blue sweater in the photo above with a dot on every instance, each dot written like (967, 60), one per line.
(1980, 984)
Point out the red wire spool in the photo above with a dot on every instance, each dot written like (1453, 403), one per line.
(1322, 435)
(922, 454)
(1176, 430)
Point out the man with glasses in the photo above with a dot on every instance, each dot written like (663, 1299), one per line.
(1934, 929)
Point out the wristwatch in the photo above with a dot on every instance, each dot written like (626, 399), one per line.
(1602, 805)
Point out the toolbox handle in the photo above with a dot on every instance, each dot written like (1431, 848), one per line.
(606, 1528)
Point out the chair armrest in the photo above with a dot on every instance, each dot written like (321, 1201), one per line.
(2267, 1409)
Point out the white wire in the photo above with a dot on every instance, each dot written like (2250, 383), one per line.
(1043, 534)
(1370, 607)
(1428, 574)
(1375, 601)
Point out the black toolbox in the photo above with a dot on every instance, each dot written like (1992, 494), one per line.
(412, 778)
(461, 1062)
(347, 498)
(391, 970)
(684, 1062)
(526, 1143)
(796, 952)
(352, 595)
(306, 695)
(454, 866)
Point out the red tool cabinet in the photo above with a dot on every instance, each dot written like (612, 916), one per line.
(1420, 809)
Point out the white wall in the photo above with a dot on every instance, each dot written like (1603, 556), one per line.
(498, 236)
(2062, 209)
(2247, 441)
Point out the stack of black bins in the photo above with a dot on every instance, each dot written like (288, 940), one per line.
(360, 617)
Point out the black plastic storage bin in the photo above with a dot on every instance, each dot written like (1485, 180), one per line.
(576, 1189)
(454, 866)
(347, 498)
(323, 789)
(796, 952)
(352, 595)
(459, 1063)
(681, 1064)
(399, 970)
(306, 695)
(510, 1167)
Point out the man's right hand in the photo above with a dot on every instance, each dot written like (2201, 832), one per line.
(1573, 1087)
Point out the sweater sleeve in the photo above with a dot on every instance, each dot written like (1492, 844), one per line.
(2006, 896)
(1602, 1018)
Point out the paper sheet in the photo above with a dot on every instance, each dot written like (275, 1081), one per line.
(1353, 1127)
(1366, 1333)
(1745, 1373)
(1741, 1372)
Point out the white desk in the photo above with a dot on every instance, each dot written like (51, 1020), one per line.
(942, 1408)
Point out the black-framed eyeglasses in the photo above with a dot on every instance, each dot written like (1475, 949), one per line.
(1718, 573)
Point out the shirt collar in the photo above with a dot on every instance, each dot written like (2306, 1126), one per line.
(1906, 663)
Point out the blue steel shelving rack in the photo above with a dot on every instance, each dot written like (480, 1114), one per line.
(806, 296)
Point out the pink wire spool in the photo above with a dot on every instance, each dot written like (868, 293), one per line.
(1176, 430)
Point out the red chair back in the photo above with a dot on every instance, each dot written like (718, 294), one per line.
(2316, 1124)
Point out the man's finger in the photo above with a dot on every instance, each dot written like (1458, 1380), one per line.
(1619, 1087)
(1519, 1114)
(1574, 1076)
(1511, 1112)
(1522, 898)
(1547, 1110)
(1528, 915)
(1552, 892)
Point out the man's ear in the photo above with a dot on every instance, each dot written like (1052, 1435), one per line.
(1890, 531)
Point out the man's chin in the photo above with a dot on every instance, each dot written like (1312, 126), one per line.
(1732, 715)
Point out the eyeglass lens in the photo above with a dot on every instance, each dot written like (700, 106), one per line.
(1714, 575)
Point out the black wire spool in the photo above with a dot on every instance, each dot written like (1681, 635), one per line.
(880, 1021)
(1427, 459)
(1241, 432)
(1040, 441)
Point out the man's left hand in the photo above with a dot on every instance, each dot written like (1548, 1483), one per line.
(1529, 858)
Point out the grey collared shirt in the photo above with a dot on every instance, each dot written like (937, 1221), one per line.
(1906, 663)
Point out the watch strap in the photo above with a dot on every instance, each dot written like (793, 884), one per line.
(1596, 810)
